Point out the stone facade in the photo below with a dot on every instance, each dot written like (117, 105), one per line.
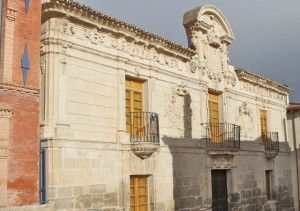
(293, 123)
(19, 102)
(85, 59)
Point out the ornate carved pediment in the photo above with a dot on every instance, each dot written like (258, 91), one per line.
(210, 21)
(209, 34)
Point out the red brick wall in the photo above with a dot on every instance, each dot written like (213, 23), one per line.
(23, 171)
(27, 28)
(23, 160)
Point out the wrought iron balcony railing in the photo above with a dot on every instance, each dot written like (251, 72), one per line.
(271, 143)
(143, 128)
(222, 136)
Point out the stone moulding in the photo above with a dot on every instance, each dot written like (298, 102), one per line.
(262, 81)
(19, 89)
(117, 27)
(144, 149)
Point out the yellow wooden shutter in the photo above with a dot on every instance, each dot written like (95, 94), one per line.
(264, 124)
(134, 103)
(214, 116)
(138, 193)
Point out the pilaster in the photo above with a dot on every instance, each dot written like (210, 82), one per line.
(5, 115)
(10, 14)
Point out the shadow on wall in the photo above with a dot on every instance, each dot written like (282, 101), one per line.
(192, 172)
(188, 185)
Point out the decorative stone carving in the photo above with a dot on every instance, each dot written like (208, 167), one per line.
(245, 120)
(245, 110)
(212, 35)
(181, 90)
(144, 149)
(4, 152)
(11, 14)
(6, 113)
(197, 64)
(230, 78)
(43, 66)
(125, 45)
(174, 111)
(174, 107)
(221, 161)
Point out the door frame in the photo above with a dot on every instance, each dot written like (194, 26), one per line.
(149, 189)
(227, 175)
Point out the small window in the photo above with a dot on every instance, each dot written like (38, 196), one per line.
(268, 183)
(43, 174)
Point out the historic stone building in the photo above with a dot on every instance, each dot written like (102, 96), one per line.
(19, 101)
(293, 123)
(132, 121)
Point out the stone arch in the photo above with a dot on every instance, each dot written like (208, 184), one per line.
(196, 15)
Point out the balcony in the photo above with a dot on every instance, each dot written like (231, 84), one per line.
(143, 128)
(222, 136)
(271, 143)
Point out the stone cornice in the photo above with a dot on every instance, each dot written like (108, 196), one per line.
(19, 89)
(115, 26)
(245, 75)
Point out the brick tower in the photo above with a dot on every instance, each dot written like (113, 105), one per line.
(19, 102)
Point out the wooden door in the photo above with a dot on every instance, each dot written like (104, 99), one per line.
(219, 190)
(134, 103)
(268, 184)
(138, 193)
(214, 117)
(264, 124)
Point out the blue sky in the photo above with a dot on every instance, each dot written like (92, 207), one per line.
(266, 32)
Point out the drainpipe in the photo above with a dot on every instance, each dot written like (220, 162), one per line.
(296, 155)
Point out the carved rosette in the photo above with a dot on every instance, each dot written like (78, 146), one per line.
(144, 149)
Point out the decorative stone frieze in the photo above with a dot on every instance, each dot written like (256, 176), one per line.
(251, 82)
(127, 45)
(221, 161)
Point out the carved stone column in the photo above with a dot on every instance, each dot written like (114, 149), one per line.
(10, 14)
(5, 115)
(123, 137)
